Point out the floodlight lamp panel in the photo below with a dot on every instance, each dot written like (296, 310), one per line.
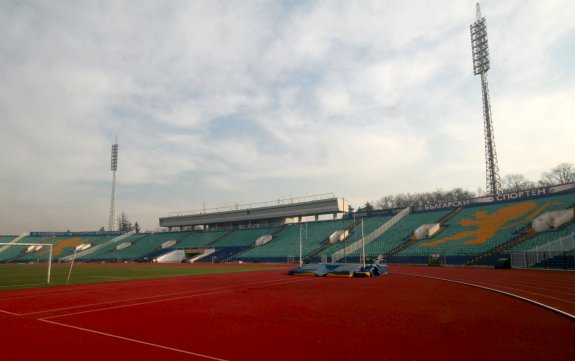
(479, 47)
(114, 165)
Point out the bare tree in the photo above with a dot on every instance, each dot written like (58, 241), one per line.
(124, 224)
(562, 173)
(420, 199)
(515, 183)
(367, 208)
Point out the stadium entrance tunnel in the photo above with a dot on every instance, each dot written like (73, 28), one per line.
(339, 270)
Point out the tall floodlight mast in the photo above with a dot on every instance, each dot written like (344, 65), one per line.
(480, 52)
(114, 168)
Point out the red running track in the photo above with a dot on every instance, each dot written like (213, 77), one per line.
(268, 315)
(555, 289)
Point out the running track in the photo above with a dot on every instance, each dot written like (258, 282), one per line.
(414, 313)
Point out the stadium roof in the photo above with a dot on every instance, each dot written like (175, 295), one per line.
(266, 213)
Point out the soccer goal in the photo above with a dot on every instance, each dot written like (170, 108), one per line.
(29, 248)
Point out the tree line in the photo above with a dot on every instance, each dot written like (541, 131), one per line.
(125, 225)
(561, 174)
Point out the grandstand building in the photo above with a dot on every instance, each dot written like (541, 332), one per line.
(258, 215)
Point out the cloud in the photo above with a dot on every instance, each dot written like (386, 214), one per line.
(223, 102)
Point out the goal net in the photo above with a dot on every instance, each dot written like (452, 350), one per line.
(13, 258)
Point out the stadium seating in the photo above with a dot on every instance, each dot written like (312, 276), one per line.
(476, 234)
(286, 243)
(370, 224)
(140, 246)
(9, 252)
(225, 253)
(62, 246)
(542, 238)
(478, 229)
(244, 237)
(199, 239)
(400, 233)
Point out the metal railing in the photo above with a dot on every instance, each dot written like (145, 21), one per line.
(237, 207)
(563, 244)
(544, 252)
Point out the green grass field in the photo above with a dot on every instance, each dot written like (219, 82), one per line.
(19, 276)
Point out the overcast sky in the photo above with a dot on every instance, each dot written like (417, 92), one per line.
(223, 102)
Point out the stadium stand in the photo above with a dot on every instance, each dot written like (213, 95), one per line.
(286, 243)
(235, 243)
(243, 238)
(199, 239)
(477, 231)
(480, 229)
(542, 238)
(62, 246)
(399, 234)
(370, 224)
(133, 247)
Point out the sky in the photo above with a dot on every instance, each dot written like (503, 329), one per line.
(216, 103)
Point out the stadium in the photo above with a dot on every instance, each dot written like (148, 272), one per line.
(484, 277)
(222, 291)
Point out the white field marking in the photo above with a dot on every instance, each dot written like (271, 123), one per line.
(232, 287)
(500, 285)
(134, 340)
(111, 277)
(28, 285)
(495, 284)
(555, 288)
(152, 301)
(519, 283)
(84, 288)
(9, 313)
(556, 310)
(131, 299)
(77, 288)
(529, 283)
(133, 304)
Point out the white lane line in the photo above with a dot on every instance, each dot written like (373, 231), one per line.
(135, 304)
(531, 283)
(147, 297)
(511, 287)
(166, 299)
(25, 285)
(563, 313)
(134, 340)
(495, 284)
(9, 313)
(63, 289)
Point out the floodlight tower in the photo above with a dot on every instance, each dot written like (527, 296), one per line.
(114, 168)
(480, 52)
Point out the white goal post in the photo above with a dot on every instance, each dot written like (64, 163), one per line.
(36, 244)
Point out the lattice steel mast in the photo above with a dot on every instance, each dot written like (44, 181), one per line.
(480, 52)
(114, 168)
